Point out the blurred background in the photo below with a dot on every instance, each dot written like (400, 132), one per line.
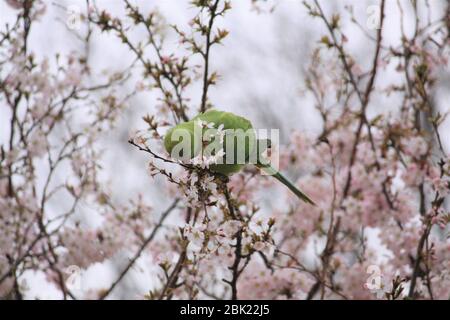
(262, 66)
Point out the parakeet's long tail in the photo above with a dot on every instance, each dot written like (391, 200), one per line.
(277, 175)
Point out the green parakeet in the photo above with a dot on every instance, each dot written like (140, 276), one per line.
(243, 149)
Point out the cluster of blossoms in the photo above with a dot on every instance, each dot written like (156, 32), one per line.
(197, 189)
